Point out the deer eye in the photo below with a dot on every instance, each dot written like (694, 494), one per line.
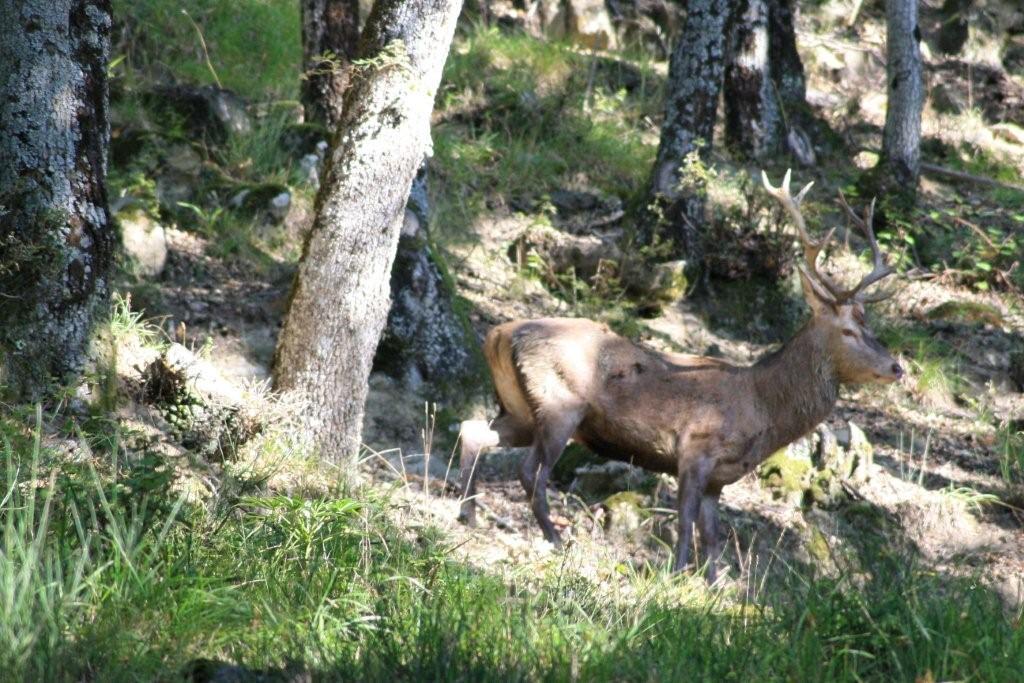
(849, 333)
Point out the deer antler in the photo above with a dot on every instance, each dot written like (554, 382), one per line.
(811, 246)
(880, 269)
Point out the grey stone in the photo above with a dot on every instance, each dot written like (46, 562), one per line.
(145, 243)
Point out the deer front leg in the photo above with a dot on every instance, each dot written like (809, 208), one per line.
(549, 442)
(708, 522)
(692, 481)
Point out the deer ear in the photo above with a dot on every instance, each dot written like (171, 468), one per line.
(817, 298)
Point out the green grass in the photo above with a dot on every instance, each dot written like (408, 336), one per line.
(108, 576)
(520, 118)
(253, 45)
(933, 363)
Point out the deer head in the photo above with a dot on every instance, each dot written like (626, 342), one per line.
(858, 356)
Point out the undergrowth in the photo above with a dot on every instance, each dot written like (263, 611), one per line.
(110, 576)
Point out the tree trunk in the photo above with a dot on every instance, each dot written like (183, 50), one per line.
(330, 38)
(787, 69)
(56, 239)
(765, 85)
(753, 123)
(900, 162)
(340, 297)
(694, 83)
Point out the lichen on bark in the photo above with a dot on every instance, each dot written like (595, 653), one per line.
(56, 238)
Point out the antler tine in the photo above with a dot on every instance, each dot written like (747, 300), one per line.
(880, 269)
(811, 246)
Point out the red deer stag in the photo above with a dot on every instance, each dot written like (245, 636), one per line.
(702, 419)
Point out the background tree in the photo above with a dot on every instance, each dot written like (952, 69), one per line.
(765, 86)
(340, 296)
(694, 84)
(900, 163)
(56, 239)
(330, 38)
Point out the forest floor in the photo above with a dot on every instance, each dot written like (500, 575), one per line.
(914, 568)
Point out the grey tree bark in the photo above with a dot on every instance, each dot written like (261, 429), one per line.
(56, 238)
(786, 66)
(753, 122)
(340, 296)
(900, 163)
(694, 83)
(330, 39)
(765, 86)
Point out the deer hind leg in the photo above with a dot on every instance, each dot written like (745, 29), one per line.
(693, 479)
(707, 521)
(474, 437)
(549, 441)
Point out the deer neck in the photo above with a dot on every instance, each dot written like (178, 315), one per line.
(797, 386)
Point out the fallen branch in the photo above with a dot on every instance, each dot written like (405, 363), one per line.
(935, 169)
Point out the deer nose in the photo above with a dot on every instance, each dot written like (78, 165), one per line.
(897, 370)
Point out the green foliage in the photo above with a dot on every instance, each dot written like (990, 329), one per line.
(933, 362)
(253, 45)
(520, 118)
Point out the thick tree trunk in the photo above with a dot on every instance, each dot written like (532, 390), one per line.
(694, 83)
(787, 69)
(765, 85)
(900, 163)
(330, 38)
(753, 123)
(340, 297)
(56, 239)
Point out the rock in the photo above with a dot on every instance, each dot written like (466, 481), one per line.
(1009, 132)
(593, 481)
(581, 212)
(279, 205)
(657, 285)
(309, 169)
(145, 243)
(862, 453)
(417, 464)
(947, 100)
(787, 474)
(176, 178)
(648, 24)
(589, 25)
(207, 111)
(624, 513)
(561, 252)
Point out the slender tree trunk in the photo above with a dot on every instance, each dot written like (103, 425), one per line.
(340, 297)
(694, 83)
(330, 38)
(900, 162)
(56, 239)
